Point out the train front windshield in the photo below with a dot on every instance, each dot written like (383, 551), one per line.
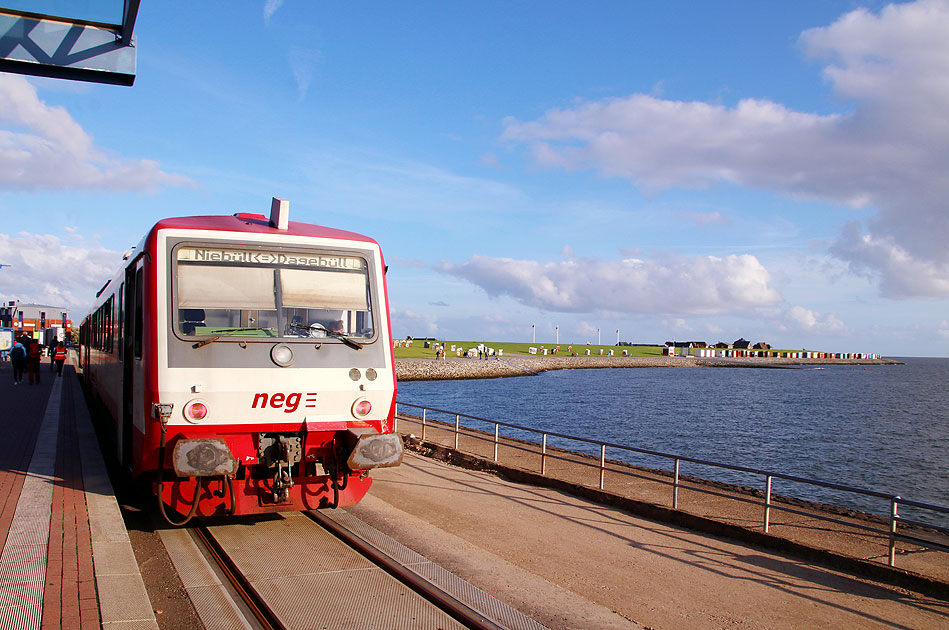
(243, 292)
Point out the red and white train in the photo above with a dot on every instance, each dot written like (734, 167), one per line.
(247, 364)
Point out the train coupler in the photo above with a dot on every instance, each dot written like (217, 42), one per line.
(282, 483)
(281, 452)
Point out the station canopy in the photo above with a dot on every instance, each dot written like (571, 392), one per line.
(81, 40)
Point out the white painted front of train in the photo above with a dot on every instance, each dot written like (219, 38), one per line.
(289, 378)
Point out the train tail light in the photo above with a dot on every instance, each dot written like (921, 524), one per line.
(370, 449)
(361, 408)
(195, 411)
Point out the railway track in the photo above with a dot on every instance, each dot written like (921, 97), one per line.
(323, 570)
(244, 598)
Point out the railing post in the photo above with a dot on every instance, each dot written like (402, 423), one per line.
(456, 431)
(395, 418)
(675, 486)
(496, 427)
(894, 515)
(602, 464)
(767, 505)
(543, 457)
(423, 423)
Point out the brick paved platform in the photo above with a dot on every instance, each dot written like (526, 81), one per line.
(66, 560)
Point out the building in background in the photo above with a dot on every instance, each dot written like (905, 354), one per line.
(36, 320)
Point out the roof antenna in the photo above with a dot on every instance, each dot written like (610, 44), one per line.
(279, 213)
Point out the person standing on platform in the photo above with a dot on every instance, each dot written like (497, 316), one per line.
(18, 360)
(59, 357)
(33, 354)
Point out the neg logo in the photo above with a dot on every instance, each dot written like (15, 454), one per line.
(288, 402)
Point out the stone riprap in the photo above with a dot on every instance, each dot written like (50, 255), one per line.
(520, 365)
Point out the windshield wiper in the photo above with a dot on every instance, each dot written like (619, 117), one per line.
(332, 333)
(224, 333)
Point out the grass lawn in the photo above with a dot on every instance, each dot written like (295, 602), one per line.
(419, 351)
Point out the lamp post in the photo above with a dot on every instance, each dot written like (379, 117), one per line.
(598, 337)
(533, 334)
(617, 337)
(557, 330)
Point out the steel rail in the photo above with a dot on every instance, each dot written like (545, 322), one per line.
(460, 611)
(264, 615)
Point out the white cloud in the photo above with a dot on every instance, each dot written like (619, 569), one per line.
(677, 324)
(270, 7)
(700, 285)
(658, 143)
(890, 152)
(303, 63)
(800, 319)
(43, 148)
(902, 274)
(46, 269)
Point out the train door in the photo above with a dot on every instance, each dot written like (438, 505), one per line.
(85, 342)
(131, 354)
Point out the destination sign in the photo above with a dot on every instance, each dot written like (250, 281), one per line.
(269, 259)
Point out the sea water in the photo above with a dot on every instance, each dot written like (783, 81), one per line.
(882, 428)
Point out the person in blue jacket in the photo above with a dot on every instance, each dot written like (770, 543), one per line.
(18, 360)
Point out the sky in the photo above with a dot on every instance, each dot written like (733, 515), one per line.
(533, 171)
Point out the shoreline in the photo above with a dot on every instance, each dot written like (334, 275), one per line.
(454, 368)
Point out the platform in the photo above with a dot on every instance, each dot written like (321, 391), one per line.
(66, 558)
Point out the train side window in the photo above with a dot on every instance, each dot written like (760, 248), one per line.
(139, 314)
(121, 319)
(110, 307)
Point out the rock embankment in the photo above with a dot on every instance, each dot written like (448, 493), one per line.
(430, 369)
(520, 365)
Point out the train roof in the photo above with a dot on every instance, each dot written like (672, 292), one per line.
(256, 224)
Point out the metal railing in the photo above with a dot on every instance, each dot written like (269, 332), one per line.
(892, 519)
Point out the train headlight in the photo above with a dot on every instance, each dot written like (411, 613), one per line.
(361, 408)
(282, 355)
(195, 411)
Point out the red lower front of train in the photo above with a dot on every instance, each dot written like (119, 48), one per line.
(221, 474)
(256, 496)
